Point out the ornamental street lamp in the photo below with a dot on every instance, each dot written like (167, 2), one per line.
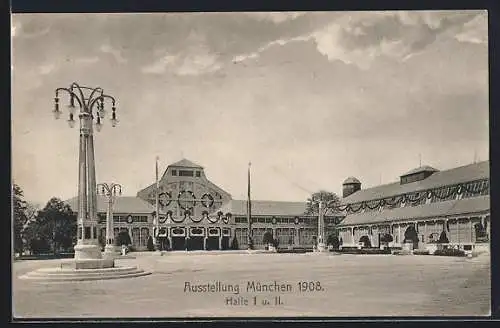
(91, 102)
(321, 228)
(110, 191)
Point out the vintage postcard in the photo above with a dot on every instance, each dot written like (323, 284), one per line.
(250, 164)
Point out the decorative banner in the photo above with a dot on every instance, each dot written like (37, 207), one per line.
(210, 219)
(165, 198)
(130, 219)
(207, 200)
(274, 220)
(296, 220)
(186, 199)
(176, 220)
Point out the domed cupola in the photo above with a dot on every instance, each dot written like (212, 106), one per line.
(350, 186)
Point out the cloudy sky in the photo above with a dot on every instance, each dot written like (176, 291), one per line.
(308, 98)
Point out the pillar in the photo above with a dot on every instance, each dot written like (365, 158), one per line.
(110, 234)
(87, 246)
(220, 239)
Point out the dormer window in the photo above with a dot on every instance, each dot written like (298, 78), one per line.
(198, 174)
(174, 173)
(417, 174)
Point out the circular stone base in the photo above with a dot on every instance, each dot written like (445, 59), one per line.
(73, 274)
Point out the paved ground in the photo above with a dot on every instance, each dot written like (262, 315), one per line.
(354, 285)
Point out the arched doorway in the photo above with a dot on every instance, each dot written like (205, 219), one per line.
(226, 235)
(411, 236)
(178, 239)
(213, 239)
(196, 236)
(163, 243)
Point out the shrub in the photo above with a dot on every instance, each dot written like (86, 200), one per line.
(234, 244)
(443, 239)
(333, 240)
(366, 241)
(267, 238)
(386, 238)
(151, 246)
(449, 252)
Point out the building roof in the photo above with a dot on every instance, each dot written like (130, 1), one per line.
(264, 207)
(453, 176)
(123, 204)
(186, 163)
(438, 209)
(352, 180)
(424, 168)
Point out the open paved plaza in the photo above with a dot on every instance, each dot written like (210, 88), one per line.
(350, 285)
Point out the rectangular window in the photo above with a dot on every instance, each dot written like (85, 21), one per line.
(198, 174)
(174, 172)
(185, 173)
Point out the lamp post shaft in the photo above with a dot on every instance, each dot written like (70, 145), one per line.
(321, 228)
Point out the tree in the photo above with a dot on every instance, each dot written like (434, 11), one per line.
(151, 246)
(56, 225)
(333, 240)
(267, 238)
(19, 216)
(330, 202)
(123, 238)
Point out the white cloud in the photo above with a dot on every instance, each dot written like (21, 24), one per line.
(46, 69)
(276, 17)
(160, 66)
(474, 31)
(106, 48)
(198, 64)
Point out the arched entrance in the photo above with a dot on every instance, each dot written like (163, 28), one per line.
(178, 239)
(226, 236)
(196, 236)
(213, 239)
(163, 242)
(411, 236)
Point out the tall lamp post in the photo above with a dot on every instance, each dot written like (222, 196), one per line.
(110, 191)
(91, 102)
(321, 228)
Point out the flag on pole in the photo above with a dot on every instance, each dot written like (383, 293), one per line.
(249, 207)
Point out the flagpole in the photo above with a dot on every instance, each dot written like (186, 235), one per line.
(157, 206)
(249, 211)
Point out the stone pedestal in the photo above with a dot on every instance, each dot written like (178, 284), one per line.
(111, 249)
(87, 251)
(94, 264)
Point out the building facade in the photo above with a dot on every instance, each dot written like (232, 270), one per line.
(423, 208)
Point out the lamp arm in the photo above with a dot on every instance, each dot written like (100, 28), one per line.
(82, 102)
(71, 93)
